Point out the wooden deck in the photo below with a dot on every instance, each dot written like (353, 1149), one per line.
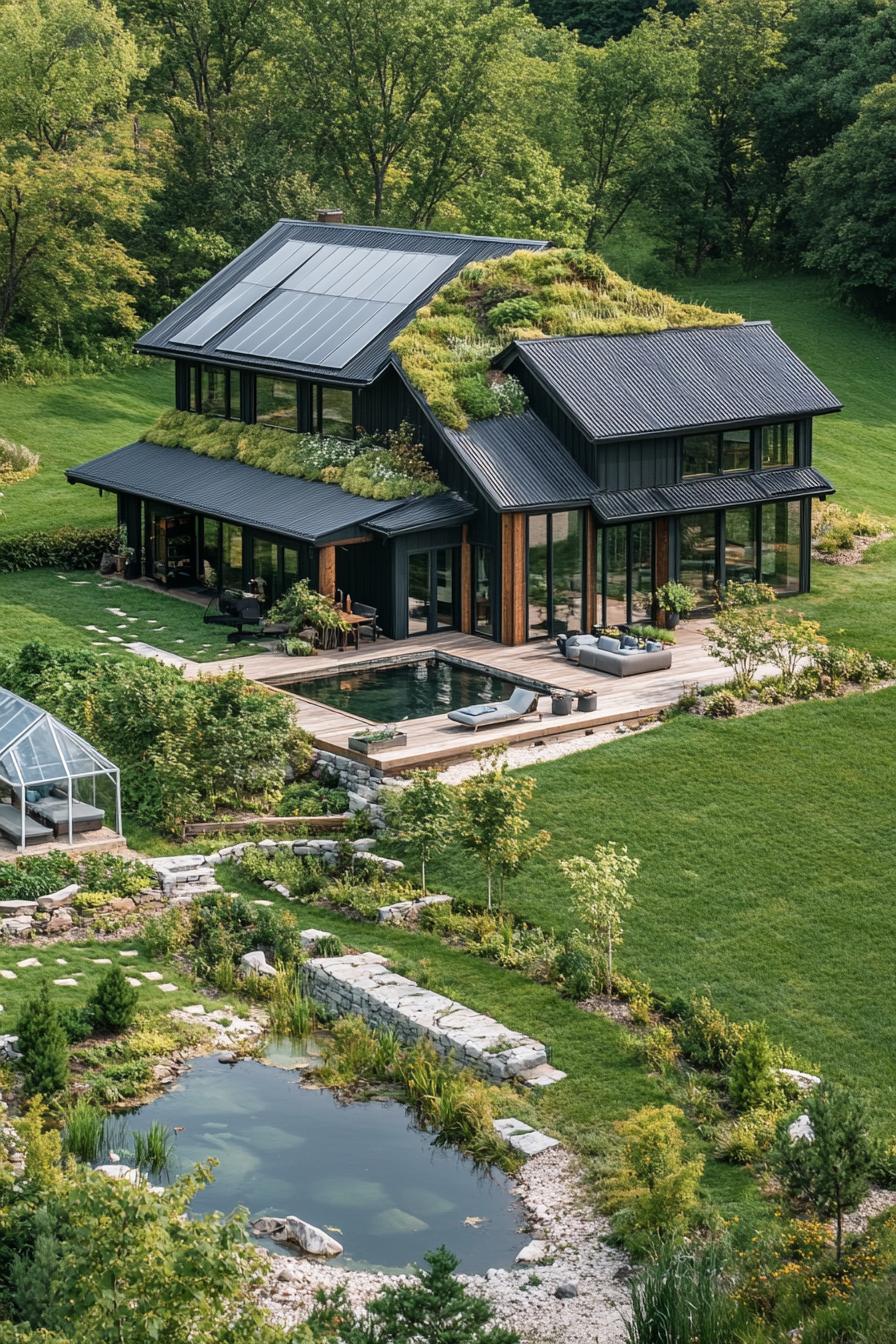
(104, 839)
(434, 740)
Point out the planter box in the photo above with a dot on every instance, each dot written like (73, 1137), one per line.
(364, 748)
(586, 703)
(563, 706)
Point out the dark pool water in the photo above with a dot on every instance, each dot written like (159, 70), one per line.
(404, 690)
(362, 1170)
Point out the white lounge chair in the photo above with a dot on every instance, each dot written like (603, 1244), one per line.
(522, 703)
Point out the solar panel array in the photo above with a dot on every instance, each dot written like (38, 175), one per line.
(316, 303)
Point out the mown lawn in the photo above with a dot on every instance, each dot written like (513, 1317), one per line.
(68, 423)
(60, 607)
(767, 875)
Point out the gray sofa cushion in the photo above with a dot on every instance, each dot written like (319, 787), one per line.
(608, 644)
(626, 663)
(629, 642)
(654, 646)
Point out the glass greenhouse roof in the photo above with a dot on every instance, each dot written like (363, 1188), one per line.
(35, 748)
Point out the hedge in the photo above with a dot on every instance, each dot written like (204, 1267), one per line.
(59, 548)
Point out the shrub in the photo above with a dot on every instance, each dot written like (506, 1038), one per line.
(684, 1297)
(652, 1192)
(17, 462)
(113, 1004)
(741, 638)
(577, 968)
(43, 1047)
(720, 705)
(751, 1077)
(748, 1138)
(307, 798)
(166, 933)
(57, 548)
(84, 1133)
(518, 312)
(746, 595)
(707, 1037)
(76, 1023)
(660, 1048)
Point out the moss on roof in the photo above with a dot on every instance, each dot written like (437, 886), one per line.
(446, 351)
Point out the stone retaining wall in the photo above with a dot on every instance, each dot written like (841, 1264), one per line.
(362, 983)
(364, 784)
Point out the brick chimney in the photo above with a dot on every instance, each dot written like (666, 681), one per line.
(330, 217)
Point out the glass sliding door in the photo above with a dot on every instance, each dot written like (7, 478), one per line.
(264, 578)
(555, 564)
(641, 585)
(781, 546)
(419, 595)
(567, 542)
(232, 556)
(431, 591)
(173, 548)
(210, 555)
(483, 588)
(616, 580)
(623, 574)
(740, 545)
(444, 588)
(699, 532)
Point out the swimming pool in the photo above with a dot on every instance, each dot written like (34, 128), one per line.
(404, 690)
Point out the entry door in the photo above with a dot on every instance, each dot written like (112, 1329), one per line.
(431, 591)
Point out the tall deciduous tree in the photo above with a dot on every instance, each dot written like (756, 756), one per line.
(492, 823)
(634, 98)
(69, 185)
(600, 893)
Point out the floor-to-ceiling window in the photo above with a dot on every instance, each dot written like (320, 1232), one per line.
(332, 411)
(265, 570)
(210, 554)
(483, 590)
(623, 573)
(740, 545)
(431, 590)
(554, 569)
(698, 558)
(276, 403)
(781, 545)
(231, 556)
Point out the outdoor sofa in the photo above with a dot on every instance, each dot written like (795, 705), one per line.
(11, 827)
(622, 659)
(53, 811)
(522, 703)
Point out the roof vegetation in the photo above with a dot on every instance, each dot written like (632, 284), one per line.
(446, 351)
(390, 465)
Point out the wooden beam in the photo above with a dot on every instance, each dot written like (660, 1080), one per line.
(589, 576)
(466, 583)
(326, 571)
(513, 578)
(661, 558)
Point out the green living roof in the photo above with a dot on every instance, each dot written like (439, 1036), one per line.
(447, 350)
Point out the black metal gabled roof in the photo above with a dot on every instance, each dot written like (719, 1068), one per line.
(322, 301)
(447, 509)
(287, 505)
(519, 464)
(711, 492)
(680, 379)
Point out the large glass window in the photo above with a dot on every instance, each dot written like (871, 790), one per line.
(623, 573)
(641, 585)
(539, 610)
(616, 589)
(419, 594)
(483, 589)
(698, 555)
(779, 445)
(213, 391)
(740, 545)
(290, 567)
(781, 545)
(210, 559)
(444, 583)
(430, 590)
(566, 577)
(276, 403)
(234, 409)
(265, 579)
(700, 453)
(736, 450)
(231, 556)
(332, 411)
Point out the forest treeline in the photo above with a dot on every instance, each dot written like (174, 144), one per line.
(144, 143)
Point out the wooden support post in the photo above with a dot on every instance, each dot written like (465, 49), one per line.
(326, 571)
(661, 557)
(513, 578)
(466, 583)
(589, 577)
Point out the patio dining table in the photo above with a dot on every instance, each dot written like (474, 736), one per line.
(354, 623)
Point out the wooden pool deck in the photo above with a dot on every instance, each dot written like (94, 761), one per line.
(436, 741)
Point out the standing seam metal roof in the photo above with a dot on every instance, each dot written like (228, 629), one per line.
(287, 505)
(364, 365)
(519, 464)
(666, 382)
(712, 492)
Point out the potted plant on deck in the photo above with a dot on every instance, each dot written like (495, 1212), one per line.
(674, 600)
(586, 700)
(371, 738)
(119, 554)
(562, 701)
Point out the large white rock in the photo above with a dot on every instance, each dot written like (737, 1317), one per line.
(119, 1171)
(57, 898)
(17, 907)
(804, 1081)
(256, 963)
(801, 1130)
(296, 1232)
(532, 1253)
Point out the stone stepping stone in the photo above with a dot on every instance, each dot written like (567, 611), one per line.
(129, 953)
(152, 975)
(262, 902)
(168, 989)
(543, 1075)
(134, 982)
(115, 639)
(195, 1010)
(28, 962)
(523, 1138)
(101, 961)
(9, 975)
(66, 980)
(61, 961)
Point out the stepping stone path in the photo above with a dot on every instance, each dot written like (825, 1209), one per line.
(101, 961)
(29, 961)
(129, 954)
(61, 961)
(131, 981)
(152, 975)
(523, 1138)
(9, 975)
(168, 989)
(66, 980)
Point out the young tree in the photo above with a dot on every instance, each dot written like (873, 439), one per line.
(600, 893)
(751, 1078)
(653, 1191)
(492, 823)
(113, 1004)
(741, 638)
(43, 1047)
(421, 816)
(435, 1307)
(831, 1170)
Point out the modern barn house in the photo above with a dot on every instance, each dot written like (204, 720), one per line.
(683, 451)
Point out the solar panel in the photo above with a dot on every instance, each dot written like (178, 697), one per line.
(323, 329)
(280, 264)
(369, 273)
(222, 312)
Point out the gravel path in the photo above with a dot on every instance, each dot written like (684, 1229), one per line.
(551, 750)
(589, 1275)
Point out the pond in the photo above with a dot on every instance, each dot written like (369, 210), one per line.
(401, 691)
(362, 1170)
